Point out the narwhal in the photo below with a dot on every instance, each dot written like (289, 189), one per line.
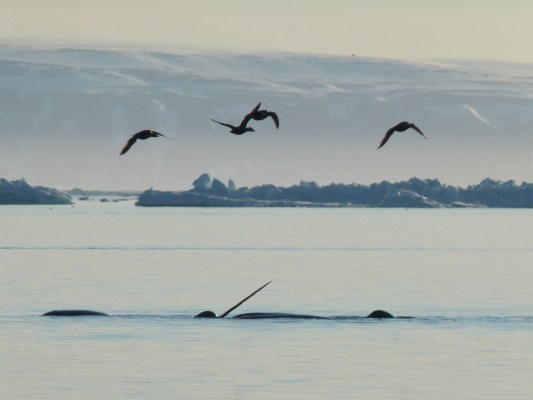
(211, 314)
(89, 313)
(74, 313)
(378, 314)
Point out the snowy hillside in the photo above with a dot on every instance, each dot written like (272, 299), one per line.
(65, 114)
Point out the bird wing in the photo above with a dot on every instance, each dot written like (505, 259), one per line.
(128, 144)
(256, 108)
(222, 123)
(249, 116)
(160, 134)
(418, 130)
(387, 136)
(274, 116)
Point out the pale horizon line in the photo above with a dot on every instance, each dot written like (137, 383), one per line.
(173, 48)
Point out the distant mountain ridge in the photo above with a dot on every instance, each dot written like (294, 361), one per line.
(414, 193)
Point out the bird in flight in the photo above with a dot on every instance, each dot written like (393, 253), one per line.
(259, 115)
(242, 128)
(145, 134)
(237, 130)
(401, 127)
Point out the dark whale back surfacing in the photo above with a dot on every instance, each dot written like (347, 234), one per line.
(377, 314)
(275, 315)
(380, 314)
(74, 313)
(206, 314)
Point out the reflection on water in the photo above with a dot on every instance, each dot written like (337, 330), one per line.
(463, 274)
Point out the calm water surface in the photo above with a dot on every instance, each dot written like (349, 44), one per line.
(465, 275)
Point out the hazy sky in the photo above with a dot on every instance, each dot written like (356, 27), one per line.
(406, 29)
(41, 126)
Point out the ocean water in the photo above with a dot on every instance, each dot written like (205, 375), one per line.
(465, 275)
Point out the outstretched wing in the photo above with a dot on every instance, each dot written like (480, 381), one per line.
(256, 108)
(129, 143)
(274, 116)
(160, 134)
(418, 130)
(222, 123)
(249, 116)
(387, 136)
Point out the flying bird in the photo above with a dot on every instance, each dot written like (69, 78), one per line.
(401, 127)
(259, 115)
(237, 130)
(242, 128)
(145, 134)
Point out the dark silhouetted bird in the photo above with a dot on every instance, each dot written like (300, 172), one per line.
(145, 134)
(237, 130)
(242, 128)
(259, 115)
(401, 127)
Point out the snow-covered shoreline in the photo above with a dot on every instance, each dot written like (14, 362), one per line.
(414, 193)
(20, 192)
